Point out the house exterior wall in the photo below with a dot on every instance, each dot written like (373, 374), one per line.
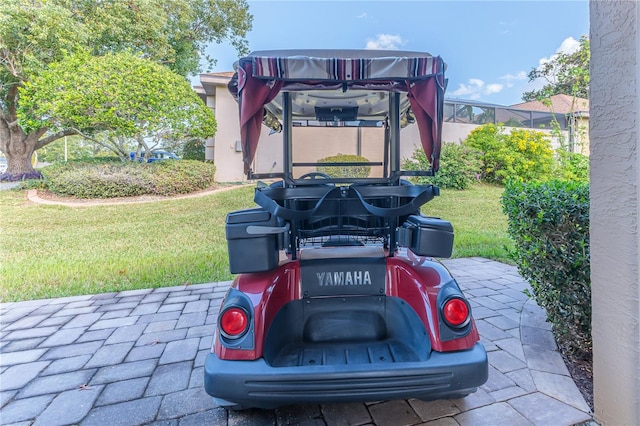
(228, 161)
(615, 246)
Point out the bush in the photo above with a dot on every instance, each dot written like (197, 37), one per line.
(194, 150)
(125, 179)
(182, 176)
(522, 155)
(549, 223)
(345, 171)
(572, 166)
(459, 166)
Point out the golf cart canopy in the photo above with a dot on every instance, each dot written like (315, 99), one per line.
(339, 85)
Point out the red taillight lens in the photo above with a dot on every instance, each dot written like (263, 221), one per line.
(456, 312)
(234, 323)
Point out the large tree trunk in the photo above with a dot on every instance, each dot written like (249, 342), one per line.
(19, 147)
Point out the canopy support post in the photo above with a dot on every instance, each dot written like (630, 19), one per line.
(394, 127)
(287, 127)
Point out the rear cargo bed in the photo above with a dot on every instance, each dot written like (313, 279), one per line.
(346, 331)
(385, 351)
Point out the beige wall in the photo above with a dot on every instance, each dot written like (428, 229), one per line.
(228, 161)
(615, 142)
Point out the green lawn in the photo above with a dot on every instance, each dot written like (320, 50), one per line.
(52, 251)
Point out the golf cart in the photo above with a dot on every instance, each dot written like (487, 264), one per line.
(339, 296)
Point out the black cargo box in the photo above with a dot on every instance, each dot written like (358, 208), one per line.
(426, 236)
(254, 239)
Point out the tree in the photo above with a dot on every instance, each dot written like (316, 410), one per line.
(116, 96)
(566, 74)
(69, 149)
(36, 33)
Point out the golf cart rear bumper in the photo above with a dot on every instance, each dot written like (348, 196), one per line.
(256, 384)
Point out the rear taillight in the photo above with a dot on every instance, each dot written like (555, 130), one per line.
(456, 312)
(234, 322)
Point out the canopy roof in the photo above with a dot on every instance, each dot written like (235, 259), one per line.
(355, 82)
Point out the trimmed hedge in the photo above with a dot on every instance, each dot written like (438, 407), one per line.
(362, 171)
(549, 223)
(459, 166)
(126, 179)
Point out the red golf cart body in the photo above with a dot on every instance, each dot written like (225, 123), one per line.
(339, 296)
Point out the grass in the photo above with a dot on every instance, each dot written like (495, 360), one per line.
(53, 251)
(479, 224)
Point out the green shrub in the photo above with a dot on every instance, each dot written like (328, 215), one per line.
(345, 171)
(182, 176)
(194, 150)
(522, 155)
(572, 166)
(549, 223)
(125, 179)
(459, 166)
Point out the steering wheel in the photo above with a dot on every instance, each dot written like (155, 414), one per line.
(315, 176)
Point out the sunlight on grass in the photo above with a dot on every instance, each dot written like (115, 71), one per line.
(479, 225)
(52, 251)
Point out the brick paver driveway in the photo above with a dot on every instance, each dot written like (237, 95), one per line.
(136, 357)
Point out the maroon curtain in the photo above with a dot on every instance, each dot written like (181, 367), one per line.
(425, 100)
(253, 94)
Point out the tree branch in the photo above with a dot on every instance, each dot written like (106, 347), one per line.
(54, 137)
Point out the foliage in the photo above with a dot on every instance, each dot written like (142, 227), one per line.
(572, 166)
(549, 223)
(459, 166)
(523, 155)
(565, 73)
(359, 171)
(118, 93)
(194, 150)
(36, 33)
(182, 176)
(76, 148)
(123, 179)
(172, 32)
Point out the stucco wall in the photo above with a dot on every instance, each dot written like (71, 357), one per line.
(614, 133)
(228, 161)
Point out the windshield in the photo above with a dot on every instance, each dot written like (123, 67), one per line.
(290, 90)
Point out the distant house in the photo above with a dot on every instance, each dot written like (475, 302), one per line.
(576, 111)
(460, 117)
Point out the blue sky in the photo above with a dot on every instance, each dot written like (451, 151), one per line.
(489, 46)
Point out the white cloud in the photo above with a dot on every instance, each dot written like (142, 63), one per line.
(568, 46)
(475, 88)
(510, 79)
(493, 88)
(363, 15)
(385, 42)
